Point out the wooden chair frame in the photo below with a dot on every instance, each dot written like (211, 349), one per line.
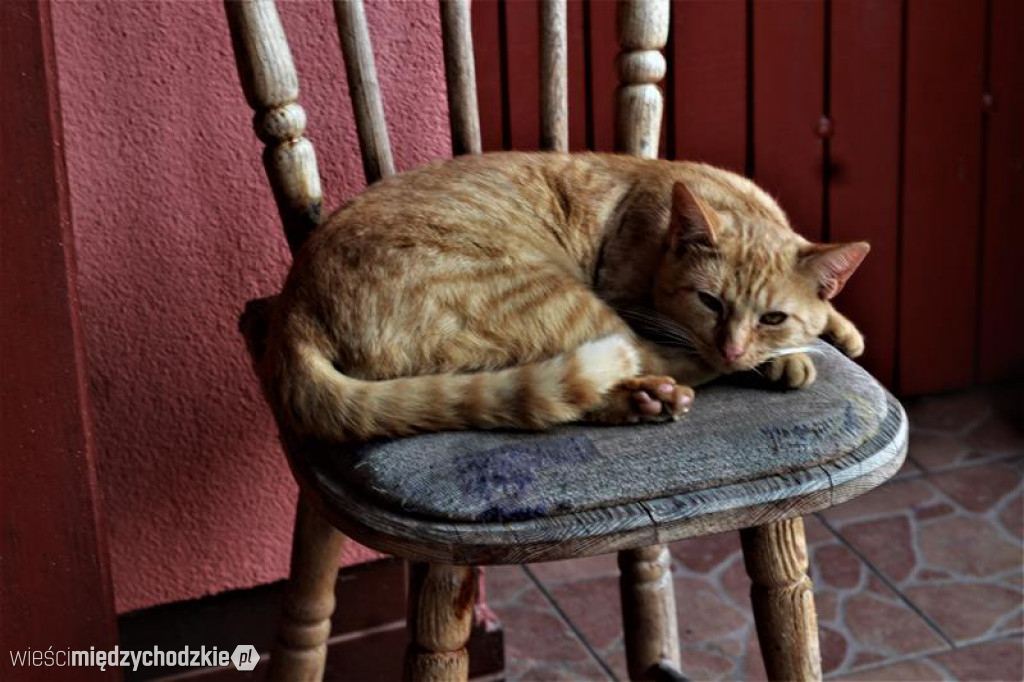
(441, 595)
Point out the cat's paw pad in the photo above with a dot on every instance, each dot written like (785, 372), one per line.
(792, 371)
(851, 342)
(656, 398)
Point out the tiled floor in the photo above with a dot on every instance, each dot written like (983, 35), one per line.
(920, 579)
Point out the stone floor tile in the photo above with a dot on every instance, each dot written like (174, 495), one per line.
(539, 644)
(504, 584)
(895, 497)
(966, 611)
(704, 613)
(594, 608)
(816, 531)
(1001, 660)
(837, 566)
(954, 412)
(581, 671)
(945, 546)
(554, 572)
(703, 664)
(887, 543)
(918, 670)
(909, 469)
(861, 620)
(965, 546)
(933, 451)
(1012, 516)
(980, 488)
(997, 436)
(885, 625)
(705, 554)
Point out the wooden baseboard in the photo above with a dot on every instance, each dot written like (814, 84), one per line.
(367, 642)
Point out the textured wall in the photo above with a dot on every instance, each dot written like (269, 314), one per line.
(174, 230)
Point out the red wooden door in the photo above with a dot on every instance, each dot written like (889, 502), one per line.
(864, 165)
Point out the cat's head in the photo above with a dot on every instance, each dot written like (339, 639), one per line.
(745, 287)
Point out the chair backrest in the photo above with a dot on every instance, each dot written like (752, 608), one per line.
(271, 87)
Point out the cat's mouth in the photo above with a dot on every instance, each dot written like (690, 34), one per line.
(732, 366)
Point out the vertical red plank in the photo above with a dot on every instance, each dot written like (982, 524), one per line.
(709, 41)
(788, 95)
(942, 163)
(55, 588)
(577, 77)
(487, 54)
(1001, 353)
(603, 76)
(523, 64)
(864, 151)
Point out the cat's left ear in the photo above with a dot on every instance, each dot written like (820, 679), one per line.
(832, 264)
(691, 222)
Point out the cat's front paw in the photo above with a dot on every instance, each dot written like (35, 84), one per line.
(792, 371)
(848, 340)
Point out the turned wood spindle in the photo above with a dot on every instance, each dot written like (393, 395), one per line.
(648, 611)
(460, 76)
(554, 65)
(271, 88)
(441, 600)
(642, 29)
(648, 596)
(300, 650)
(783, 599)
(364, 89)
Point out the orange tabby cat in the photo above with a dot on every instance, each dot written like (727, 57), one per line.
(494, 291)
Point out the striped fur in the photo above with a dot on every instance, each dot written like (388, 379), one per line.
(481, 293)
(322, 402)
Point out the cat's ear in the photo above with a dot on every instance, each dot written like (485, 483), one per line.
(832, 264)
(692, 223)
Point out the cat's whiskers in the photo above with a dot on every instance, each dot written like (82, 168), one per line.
(667, 331)
(780, 352)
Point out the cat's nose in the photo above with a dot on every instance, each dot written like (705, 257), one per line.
(732, 352)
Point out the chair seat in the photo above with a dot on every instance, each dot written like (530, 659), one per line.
(744, 456)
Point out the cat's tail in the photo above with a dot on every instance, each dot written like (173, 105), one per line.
(320, 401)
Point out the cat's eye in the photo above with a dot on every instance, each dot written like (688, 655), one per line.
(773, 318)
(710, 302)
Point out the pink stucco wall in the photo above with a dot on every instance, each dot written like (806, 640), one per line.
(174, 230)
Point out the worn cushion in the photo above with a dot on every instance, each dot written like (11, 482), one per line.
(735, 433)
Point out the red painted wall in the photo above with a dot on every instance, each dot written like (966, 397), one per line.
(174, 229)
(53, 550)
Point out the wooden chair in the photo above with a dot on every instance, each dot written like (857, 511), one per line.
(740, 468)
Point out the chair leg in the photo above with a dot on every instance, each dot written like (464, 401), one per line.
(648, 612)
(783, 599)
(300, 650)
(441, 601)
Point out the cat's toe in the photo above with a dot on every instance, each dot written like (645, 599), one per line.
(646, 404)
(792, 371)
(655, 397)
(851, 343)
(682, 401)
